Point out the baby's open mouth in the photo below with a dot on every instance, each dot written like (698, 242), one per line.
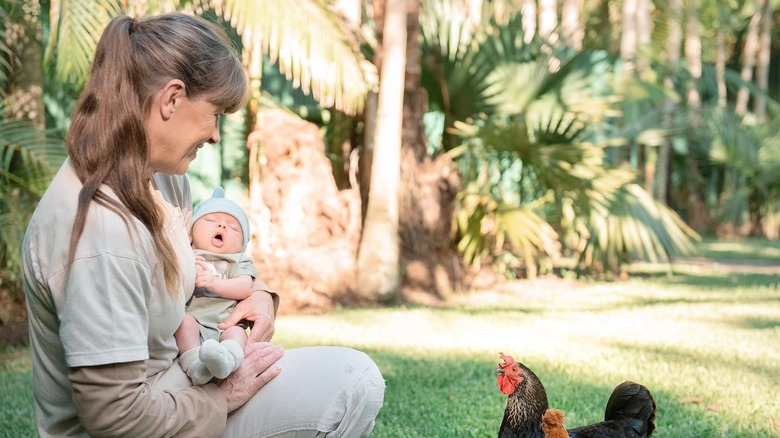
(219, 237)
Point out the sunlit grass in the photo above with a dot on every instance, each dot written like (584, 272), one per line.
(16, 409)
(752, 249)
(719, 354)
(703, 338)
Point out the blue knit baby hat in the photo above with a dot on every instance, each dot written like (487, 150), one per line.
(217, 203)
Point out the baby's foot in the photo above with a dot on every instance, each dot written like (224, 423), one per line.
(194, 368)
(221, 359)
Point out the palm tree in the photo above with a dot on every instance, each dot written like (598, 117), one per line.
(744, 161)
(307, 39)
(378, 256)
(572, 26)
(749, 53)
(311, 44)
(530, 137)
(660, 184)
(762, 64)
(28, 154)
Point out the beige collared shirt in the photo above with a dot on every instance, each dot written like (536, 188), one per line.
(102, 337)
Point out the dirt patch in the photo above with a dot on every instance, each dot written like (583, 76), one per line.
(13, 319)
(15, 333)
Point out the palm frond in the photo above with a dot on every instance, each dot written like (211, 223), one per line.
(746, 160)
(5, 51)
(28, 158)
(16, 207)
(488, 228)
(635, 227)
(314, 46)
(75, 29)
(467, 59)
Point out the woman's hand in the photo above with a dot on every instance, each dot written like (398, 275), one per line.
(258, 308)
(257, 369)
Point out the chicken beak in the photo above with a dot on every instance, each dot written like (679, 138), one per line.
(499, 370)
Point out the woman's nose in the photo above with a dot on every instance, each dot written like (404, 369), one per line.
(214, 139)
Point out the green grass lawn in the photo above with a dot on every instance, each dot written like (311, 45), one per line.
(704, 338)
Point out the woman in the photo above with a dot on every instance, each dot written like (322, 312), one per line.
(108, 264)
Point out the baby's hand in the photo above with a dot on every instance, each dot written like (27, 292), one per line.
(203, 276)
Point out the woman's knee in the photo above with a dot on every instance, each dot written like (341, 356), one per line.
(321, 390)
(365, 398)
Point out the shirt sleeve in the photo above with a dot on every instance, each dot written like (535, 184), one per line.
(244, 267)
(115, 400)
(103, 313)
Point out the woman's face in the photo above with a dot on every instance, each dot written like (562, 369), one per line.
(186, 126)
(219, 233)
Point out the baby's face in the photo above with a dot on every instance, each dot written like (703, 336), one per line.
(218, 233)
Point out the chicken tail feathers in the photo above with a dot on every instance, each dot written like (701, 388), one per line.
(633, 405)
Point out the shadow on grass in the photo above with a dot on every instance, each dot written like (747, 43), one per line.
(722, 280)
(745, 250)
(682, 290)
(755, 323)
(677, 357)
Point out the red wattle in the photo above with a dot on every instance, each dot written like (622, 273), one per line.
(506, 385)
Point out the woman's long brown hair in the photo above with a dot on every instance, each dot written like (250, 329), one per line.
(107, 140)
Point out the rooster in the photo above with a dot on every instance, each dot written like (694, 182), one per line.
(630, 411)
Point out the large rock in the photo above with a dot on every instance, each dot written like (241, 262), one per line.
(308, 236)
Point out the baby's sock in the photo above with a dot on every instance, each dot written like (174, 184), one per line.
(236, 351)
(195, 368)
(221, 358)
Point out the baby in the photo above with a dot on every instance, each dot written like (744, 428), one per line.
(224, 275)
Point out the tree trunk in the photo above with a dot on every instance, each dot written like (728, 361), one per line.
(378, 255)
(351, 9)
(628, 39)
(698, 213)
(643, 32)
(615, 27)
(528, 11)
(673, 43)
(693, 57)
(749, 57)
(720, 58)
(548, 20)
(258, 212)
(24, 99)
(572, 27)
(366, 157)
(641, 65)
(762, 66)
(427, 191)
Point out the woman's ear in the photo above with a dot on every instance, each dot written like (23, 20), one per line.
(170, 97)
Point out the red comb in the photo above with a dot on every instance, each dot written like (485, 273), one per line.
(508, 360)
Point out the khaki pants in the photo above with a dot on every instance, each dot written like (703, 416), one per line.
(321, 391)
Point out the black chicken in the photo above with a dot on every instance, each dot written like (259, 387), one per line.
(630, 411)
